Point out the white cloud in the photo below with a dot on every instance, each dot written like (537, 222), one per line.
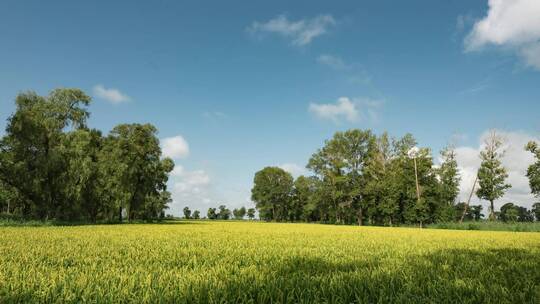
(516, 160)
(192, 189)
(334, 62)
(111, 95)
(214, 115)
(352, 110)
(294, 169)
(175, 147)
(302, 32)
(513, 24)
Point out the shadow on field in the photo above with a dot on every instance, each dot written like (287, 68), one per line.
(446, 276)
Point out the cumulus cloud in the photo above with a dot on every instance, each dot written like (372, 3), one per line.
(175, 147)
(345, 108)
(301, 32)
(333, 62)
(516, 160)
(111, 95)
(294, 169)
(190, 188)
(510, 24)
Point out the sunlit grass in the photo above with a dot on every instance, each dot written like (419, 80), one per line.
(266, 262)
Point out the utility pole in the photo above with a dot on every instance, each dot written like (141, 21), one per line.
(413, 153)
(416, 176)
(469, 199)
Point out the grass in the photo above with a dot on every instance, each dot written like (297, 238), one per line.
(490, 225)
(254, 262)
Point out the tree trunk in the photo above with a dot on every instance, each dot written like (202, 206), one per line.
(492, 214)
(120, 214)
(359, 215)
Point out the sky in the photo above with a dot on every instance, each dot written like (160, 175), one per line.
(234, 86)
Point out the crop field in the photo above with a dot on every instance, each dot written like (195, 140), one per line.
(234, 262)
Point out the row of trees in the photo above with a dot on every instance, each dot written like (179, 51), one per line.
(53, 166)
(359, 177)
(221, 213)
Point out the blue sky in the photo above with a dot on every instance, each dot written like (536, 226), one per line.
(247, 84)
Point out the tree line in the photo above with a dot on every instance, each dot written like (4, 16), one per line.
(220, 213)
(359, 177)
(53, 166)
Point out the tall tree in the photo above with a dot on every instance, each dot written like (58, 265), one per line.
(339, 164)
(449, 179)
(380, 190)
(135, 166)
(32, 160)
(492, 175)
(272, 192)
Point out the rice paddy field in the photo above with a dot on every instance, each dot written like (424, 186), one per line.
(253, 262)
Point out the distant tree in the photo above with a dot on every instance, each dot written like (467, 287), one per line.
(236, 214)
(536, 211)
(242, 212)
(476, 211)
(533, 172)
(525, 215)
(224, 213)
(196, 214)
(211, 214)
(239, 213)
(187, 213)
(272, 192)
(492, 175)
(251, 213)
(508, 213)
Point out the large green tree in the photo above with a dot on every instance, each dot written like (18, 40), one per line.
(32, 154)
(339, 164)
(272, 192)
(53, 166)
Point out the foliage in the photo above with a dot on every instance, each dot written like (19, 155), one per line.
(363, 178)
(533, 172)
(492, 175)
(253, 262)
(187, 212)
(52, 166)
(272, 190)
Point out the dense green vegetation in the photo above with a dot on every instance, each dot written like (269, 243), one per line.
(257, 262)
(53, 166)
(359, 177)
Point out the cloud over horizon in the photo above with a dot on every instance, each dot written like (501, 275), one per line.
(516, 160)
